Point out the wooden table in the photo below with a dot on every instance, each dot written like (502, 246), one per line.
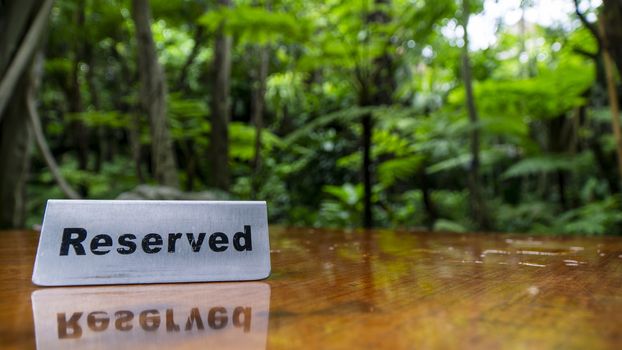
(348, 289)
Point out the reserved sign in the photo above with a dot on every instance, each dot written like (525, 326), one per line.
(86, 242)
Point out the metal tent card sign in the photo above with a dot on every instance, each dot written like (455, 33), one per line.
(90, 242)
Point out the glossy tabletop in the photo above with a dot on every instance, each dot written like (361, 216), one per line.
(342, 290)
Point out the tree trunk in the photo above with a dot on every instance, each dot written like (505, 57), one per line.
(376, 90)
(257, 109)
(191, 165)
(20, 35)
(478, 208)
(368, 217)
(218, 151)
(127, 80)
(428, 203)
(136, 147)
(153, 95)
(15, 141)
(609, 66)
(608, 34)
(22, 25)
(102, 132)
(79, 131)
(612, 35)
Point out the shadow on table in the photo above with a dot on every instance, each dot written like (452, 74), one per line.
(221, 315)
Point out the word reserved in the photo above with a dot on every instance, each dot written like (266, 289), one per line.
(151, 243)
(85, 242)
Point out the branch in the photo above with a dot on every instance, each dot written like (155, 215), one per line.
(580, 51)
(35, 122)
(24, 54)
(45, 151)
(198, 38)
(590, 26)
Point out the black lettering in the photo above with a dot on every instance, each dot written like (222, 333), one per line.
(248, 245)
(64, 326)
(172, 238)
(196, 245)
(195, 316)
(218, 241)
(123, 320)
(126, 241)
(152, 243)
(246, 311)
(171, 326)
(100, 241)
(217, 322)
(152, 239)
(98, 324)
(76, 242)
(149, 323)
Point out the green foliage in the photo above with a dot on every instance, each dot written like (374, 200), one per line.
(601, 217)
(597, 218)
(110, 119)
(524, 216)
(189, 119)
(350, 114)
(540, 164)
(390, 171)
(547, 96)
(242, 137)
(110, 181)
(463, 161)
(546, 151)
(257, 25)
(344, 206)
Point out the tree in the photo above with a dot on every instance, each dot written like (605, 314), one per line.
(218, 152)
(608, 51)
(478, 207)
(257, 106)
(376, 89)
(153, 95)
(608, 34)
(612, 33)
(22, 25)
(73, 92)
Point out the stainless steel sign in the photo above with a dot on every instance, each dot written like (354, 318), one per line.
(86, 242)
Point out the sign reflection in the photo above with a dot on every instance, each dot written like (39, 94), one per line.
(223, 315)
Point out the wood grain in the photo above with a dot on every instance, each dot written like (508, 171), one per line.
(395, 290)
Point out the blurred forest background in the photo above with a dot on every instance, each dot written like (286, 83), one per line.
(338, 113)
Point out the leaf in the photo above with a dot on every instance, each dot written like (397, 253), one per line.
(348, 194)
(487, 157)
(540, 164)
(242, 140)
(399, 169)
(341, 115)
